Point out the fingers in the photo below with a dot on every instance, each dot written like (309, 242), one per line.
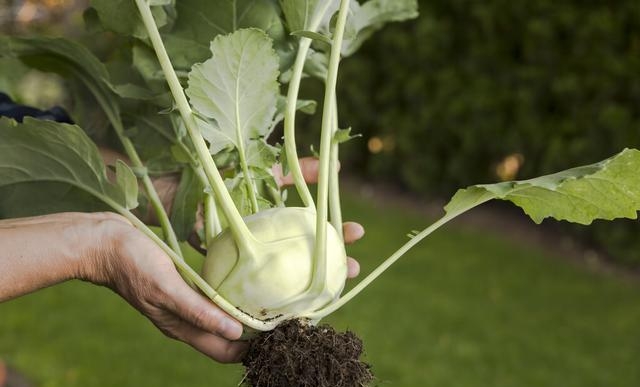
(353, 268)
(309, 167)
(217, 348)
(201, 312)
(352, 231)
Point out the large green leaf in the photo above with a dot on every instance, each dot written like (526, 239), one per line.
(363, 20)
(298, 13)
(238, 86)
(75, 62)
(373, 15)
(41, 198)
(606, 190)
(50, 152)
(122, 16)
(199, 22)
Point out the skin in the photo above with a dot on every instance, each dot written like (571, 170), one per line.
(105, 249)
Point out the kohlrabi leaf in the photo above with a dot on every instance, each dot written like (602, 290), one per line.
(317, 64)
(372, 16)
(218, 140)
(365, 19)
(153, 136)
(343, 135)
(144, 60)
(41, 198)
(298, 13)
(606, 190)
(54, 55)
(128, 183)
(122, 16)
(199, 22)
(313, 36)
(240, 195)
(185, 204)
(306, 106)
(261, 155)
(38, 151)
(238, 86)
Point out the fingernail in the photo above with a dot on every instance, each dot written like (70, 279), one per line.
(358, 230)
(231, 329)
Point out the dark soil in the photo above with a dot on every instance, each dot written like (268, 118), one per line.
(296, 354)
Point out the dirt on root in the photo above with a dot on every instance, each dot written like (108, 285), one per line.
(297, 354)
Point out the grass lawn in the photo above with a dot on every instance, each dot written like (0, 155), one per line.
(463, 309)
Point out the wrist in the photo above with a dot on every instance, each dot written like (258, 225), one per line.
(41, 251)
(99, 237)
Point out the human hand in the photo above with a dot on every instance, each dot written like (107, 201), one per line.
(125, 260)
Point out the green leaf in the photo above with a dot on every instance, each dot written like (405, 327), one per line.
(240, 195)
(128, 183)
(313, 36)
(363, 20)
(219, 141)
(199, 22)
(606, 190)
(41, 198)
(373, 15)
(261, 155)
(39, 151)
(133, 91)
(144, 60)
(153, 137)
(344, 135)
(185, 204)
(68, 59)
(306, 106)
(238, 86)
(317, 64)
(298, 13)
(123, 17)
(54, 55)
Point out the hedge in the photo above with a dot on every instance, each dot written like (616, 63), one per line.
(468, 83)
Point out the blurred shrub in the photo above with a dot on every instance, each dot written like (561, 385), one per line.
(443, 100)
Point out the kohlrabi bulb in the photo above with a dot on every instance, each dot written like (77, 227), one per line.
(271, 278)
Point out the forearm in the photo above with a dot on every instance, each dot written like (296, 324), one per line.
(41, 251)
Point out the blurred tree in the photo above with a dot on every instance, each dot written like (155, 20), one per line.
(473, 88)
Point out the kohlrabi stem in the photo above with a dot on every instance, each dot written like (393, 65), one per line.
(246, 173)
(290, 113)
(335, 210)
(388, 262)
(212, 225)
(289, 124)
(236, 224)
(326, 139)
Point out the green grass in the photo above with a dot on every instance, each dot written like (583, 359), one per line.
(464, 309)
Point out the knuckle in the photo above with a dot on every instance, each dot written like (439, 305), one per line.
(209, 319)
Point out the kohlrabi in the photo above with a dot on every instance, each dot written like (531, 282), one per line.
(207, 84)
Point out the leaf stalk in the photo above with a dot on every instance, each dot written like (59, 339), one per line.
(240, 231)
(290, 113)
(326, 137)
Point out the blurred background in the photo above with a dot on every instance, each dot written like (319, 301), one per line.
(470, 92)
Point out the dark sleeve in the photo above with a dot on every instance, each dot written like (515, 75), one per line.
(10, 109)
